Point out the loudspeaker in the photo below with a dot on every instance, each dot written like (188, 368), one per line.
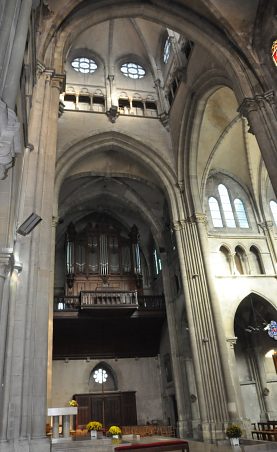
(29, 224)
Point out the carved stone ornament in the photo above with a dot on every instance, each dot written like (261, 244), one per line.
(9, 138)
(232, 341)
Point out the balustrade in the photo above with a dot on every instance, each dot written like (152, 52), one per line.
(96, 299)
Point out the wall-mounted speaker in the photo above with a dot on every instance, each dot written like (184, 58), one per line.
(29, 224)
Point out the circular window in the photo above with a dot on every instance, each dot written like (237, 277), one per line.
(100, 376)
(132, 70)
(84, 65)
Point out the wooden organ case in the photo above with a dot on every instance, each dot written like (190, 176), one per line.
(102, 258)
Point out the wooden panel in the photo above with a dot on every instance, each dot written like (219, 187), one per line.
(119, 408)
(84, 407)
(128, 408)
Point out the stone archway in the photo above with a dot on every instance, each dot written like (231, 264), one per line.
(253, 344)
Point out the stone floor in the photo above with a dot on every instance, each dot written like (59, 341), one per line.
(223, 446)
(195, 446)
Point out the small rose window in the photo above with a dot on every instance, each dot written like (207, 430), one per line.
(84, 65)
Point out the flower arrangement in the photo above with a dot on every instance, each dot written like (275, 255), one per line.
(233, 431)
(114, 430)
(94, 425)
(72, 403)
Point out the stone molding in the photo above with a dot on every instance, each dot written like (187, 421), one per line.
(10, 143)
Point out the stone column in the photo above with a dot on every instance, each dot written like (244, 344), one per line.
(214, 389)
(162, 104)
(267, 228)
(15, 65)
(6, 259)
(231, 342)
(7, 32)
(27, 344)
(261, 114)
(201, 222)
(183, 404)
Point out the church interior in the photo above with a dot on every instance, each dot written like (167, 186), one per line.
(138, 216)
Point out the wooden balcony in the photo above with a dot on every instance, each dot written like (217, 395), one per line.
(117, 300)
(107, 325)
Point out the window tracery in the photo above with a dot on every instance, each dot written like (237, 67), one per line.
(84, 65)
(133, 70)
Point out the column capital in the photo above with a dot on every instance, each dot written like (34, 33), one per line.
(157, 83)
(6, 261)
(231, 341)
(58, 81)
(200, 218)
(250, 104)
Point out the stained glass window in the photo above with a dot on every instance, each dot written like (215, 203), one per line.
(274, 52)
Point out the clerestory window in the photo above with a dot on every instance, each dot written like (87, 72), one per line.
(167, 50)
(226, 211)
(273, 207)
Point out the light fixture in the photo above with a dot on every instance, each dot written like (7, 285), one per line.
(29, 224)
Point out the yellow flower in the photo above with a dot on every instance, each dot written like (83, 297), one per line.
(114, 430)
(94, 425)
(72, 403)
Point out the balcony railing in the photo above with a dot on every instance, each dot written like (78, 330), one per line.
(94, 300)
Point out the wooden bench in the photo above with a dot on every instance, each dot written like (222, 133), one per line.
(159, 446)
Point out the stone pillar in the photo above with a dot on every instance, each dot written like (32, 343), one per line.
(27, 345)
(6, 259)
(201, 222)
(267, 228)
(214, 388)
(7, 32)
(162, 104)
(231, 342)
(183, 403)
(261, 114)
(15, 65)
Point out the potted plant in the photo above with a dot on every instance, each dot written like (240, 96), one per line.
(234, 432)
(93, 427)
(115, 431)
(72, 403)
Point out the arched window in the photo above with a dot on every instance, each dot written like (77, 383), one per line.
(226, 206)
(240, 260)
(215, 213)
(167, 49)
(102, 377)
(256, 261)
(241, 215)
(273, 207)
(224, 263)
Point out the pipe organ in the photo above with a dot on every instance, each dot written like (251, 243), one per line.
(100, 256)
